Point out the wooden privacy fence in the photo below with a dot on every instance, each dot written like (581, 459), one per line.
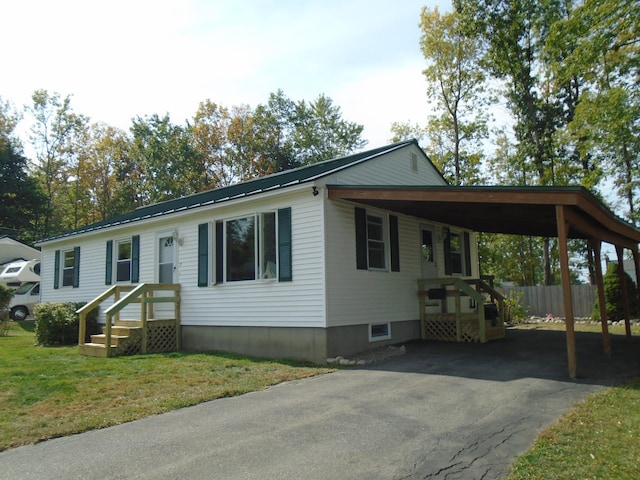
(544, 300)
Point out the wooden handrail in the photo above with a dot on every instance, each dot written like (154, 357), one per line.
(142, 294)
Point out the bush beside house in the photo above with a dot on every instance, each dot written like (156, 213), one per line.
(58, 323)
(5, 297)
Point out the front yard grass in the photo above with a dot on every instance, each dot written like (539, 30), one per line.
(598, 438)
(48, 392)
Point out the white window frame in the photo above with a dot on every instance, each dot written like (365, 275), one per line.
(460, 252)
(261, 272)
(64, 268)
(385, 241)
(378, 337)
(116, 258)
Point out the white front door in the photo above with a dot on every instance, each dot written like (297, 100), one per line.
(166, 259)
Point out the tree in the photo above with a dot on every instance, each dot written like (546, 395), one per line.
(55, 136)
(456, 84)
(241, 143)
(166, 158)
(320, 133)
(613, 295)
(108, 151)
(602, 41)
(210, 130)
(21, 198)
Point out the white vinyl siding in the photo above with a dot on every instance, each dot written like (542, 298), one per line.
(368, 296)
(392, 169)
(260, 303)
(299, 303)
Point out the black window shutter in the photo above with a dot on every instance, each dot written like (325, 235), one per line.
(76, 267)
(361, 239)
(395, 243)
(285, 270)
(467, 254)
(135, 259)
(203, 254)
(447, 252)
(56, 270)
(108, 267)
(219, 252)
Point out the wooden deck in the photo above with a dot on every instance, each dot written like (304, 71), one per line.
(443, 317)
(131, 337)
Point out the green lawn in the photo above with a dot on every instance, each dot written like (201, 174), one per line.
(598, 439)
(48, 392)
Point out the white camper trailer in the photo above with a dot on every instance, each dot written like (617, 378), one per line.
(19, 272)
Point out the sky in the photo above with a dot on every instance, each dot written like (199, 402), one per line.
(121, 59)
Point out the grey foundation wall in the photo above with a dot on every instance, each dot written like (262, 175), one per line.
(310, 344)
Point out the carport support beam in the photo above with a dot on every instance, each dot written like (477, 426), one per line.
(563, 229)
(604, 320)
(625, 292)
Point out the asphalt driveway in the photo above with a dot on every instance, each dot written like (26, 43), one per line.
(442, 410)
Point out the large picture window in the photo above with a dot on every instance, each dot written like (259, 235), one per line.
(251, 247)
(254, 247)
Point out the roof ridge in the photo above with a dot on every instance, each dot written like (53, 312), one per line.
(254, 186)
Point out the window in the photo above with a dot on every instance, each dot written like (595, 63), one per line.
(379, 331)
(457, 253)
(253, 247)
(66, 268)
(123, 262)
(377, 241)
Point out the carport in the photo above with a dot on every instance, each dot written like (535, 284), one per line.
(562, 212)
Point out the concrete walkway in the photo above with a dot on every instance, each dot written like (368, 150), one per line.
(443, 410)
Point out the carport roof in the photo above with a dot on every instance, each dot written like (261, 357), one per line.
(510, 210)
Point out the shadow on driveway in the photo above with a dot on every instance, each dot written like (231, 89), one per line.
(524, 354)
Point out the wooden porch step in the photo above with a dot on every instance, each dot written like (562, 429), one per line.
(93, 350)
(101, 338)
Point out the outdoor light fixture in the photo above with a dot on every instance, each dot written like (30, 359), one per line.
(315, 191)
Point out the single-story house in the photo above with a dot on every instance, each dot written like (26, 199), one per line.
(330, 259)
(272, 266)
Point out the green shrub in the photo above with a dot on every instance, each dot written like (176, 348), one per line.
(5, 297)
(58, 323)
(516, 310)
(613, 295)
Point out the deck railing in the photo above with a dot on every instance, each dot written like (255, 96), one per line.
(473, 288)
(144, 294)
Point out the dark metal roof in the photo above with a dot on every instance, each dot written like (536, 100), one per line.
(272, 182)
(510, 210)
